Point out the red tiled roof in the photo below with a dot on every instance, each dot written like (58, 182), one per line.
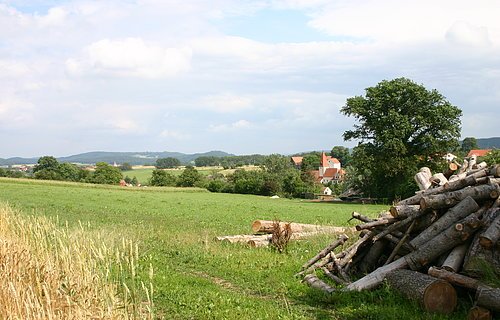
(479, 152)
(297, 160)
(330, 172)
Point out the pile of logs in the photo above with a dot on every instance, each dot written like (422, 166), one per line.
(263, 230)
(445, 236)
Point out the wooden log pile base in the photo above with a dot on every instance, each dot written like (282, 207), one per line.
(263, 233)
(450, 229)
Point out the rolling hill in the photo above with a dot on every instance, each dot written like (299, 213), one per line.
(134, 158)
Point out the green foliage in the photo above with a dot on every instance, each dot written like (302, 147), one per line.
(276, 164)
(401, 127)
(342, 154)
(46, 163)
(469, 144)
(493, 157)
(167, 163)
(311, 161)
(189, 177)
(161, 178)
(69, 172)
(125, 166)
(106, 174)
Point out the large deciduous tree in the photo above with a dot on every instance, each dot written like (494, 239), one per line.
(468, 144)
(106, 174)
(400, 126)
(167, 163)
(342, 154)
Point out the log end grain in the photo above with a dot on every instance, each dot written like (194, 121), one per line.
(479, 313)
(440, 297)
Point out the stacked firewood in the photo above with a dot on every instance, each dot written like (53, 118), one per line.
(446, 235)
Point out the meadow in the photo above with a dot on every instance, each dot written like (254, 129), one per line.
(196, 277)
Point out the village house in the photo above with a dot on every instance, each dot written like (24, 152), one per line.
(330, 169)
(478, 152)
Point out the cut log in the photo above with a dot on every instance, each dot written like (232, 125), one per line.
(455, 278)
(334, 277)
(479, 313)
(495, 171)
(448, 187)
(316, 283)
(266, 226)
(423, 222)
(460, 211)
(372, 224)
(443, 242)
(463, 167)
(257, 243)
(490, 237)
(458, 176)
(340, 241)
(488, 298)
(353, 249)
(403, 211)
(243, 238)
(433, 294)
(472, 162)
(372, 280)
(456, 257)
(401, 242)
(422, 179)
(359, 216)
(438, 179)
(452, 166)
(449, 199)
(370, 261)
(400, 224)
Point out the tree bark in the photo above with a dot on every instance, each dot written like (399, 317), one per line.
(266, 226)
(490, 237)
(456, 257)
(370, 261)
(372, 224)
(449, 199)
(448, 187)
(359, 216)
(316, 283)
(443, 242)
(438, 179)
(402, 211)
(495, 171)
(243, 238)
(375, 278)
(472, 162)
(488, 298)
(434, 295)
(479, 313)
(460, 211)
(340, 241)
(455, 278)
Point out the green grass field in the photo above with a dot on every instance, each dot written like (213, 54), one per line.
(196, 277)
(144, 174)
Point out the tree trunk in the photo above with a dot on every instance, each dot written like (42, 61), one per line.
(479, 313)
(266, 226)
(372, 224)
(434, 295)
(472, 162)
(449, 199)
(316, 283)
(359, 216)
(402, 211)
(456, 257)
(443, 242)
(341, 240)
(463, 167)
(243, 238)
(488, 298)
(460, 211)
(455, 278)
(375, 278)
(490, 237)
(257, 243)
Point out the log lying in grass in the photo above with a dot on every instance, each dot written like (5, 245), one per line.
(314, 282)
(243, 238)
(266, 226)
(340, 241)
(433, 294)
(455, 258)
(488, 298)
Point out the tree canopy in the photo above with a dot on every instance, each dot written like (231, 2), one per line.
(469, 144)
(400, 126)
(342, 154)
(167, 163)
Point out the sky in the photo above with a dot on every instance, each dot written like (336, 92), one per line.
(239, 76)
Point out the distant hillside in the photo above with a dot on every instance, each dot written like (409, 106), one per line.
(134, 158)
(489, 143)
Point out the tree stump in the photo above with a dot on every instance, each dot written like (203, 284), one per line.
(434, 295)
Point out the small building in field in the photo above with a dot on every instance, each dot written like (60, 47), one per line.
(330, 170)
(326, 191)
(478, 152)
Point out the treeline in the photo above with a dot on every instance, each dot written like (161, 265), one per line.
(230, 162)
(276, 176)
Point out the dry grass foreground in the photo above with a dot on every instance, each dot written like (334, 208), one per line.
(50, 273)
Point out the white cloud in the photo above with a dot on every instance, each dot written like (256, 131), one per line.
(131, 57)
(464, 33)
(235, 126)
(55, 17)
(172, 134)
(226, 103)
